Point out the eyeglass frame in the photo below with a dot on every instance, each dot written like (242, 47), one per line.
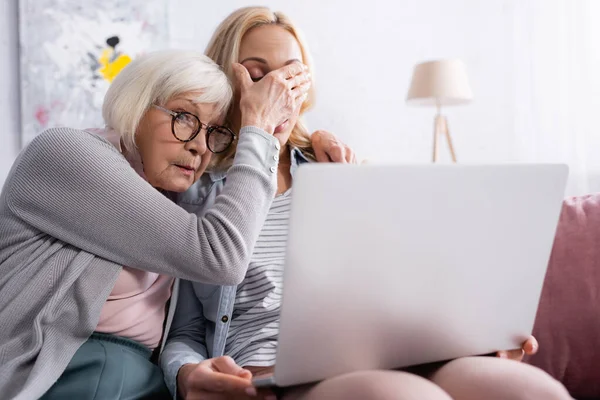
(209, 128)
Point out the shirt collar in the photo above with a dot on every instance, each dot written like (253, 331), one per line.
(298, 158)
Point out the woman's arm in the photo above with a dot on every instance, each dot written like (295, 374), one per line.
(188, 370)
(186, 343)
(78, 188)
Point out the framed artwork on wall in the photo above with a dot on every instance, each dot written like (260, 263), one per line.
(71, 50)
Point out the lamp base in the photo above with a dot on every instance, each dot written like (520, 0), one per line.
(441, 128)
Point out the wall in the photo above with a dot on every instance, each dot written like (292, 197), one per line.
(9, 86)
(364, 58)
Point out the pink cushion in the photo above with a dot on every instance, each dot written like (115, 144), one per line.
(568, 319)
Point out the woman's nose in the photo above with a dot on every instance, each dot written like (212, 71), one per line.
(198, 145)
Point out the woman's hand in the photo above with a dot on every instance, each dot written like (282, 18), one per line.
(272, 100)
(529, 347)
(329, 149)
(215, 379)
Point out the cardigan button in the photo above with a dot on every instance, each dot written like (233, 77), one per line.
(224, 319)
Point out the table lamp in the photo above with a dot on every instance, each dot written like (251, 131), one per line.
(440, 83)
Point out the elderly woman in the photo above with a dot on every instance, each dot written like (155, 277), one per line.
(90, 238)
(217, 330)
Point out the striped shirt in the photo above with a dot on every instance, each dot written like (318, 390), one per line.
(252, 336)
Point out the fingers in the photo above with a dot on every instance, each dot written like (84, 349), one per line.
(222, 374)
(350, 156)
(320, 154)
(298, 80)
(291, 70)
(328, 149)
(516, 354)
(227, 365)
(301, 92)
(245, 374)
(300, 85)
(220, 382)
(337, 153)
(242, 76)
(277, 96)
(531, 346)
(299, 101)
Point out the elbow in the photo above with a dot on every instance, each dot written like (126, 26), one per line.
(222, 271)
(236, 268)
(238, 278)
(232, 280)
(229, 259)
(235, 274)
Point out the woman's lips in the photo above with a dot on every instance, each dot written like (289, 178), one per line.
(281, 127)
(188, 171)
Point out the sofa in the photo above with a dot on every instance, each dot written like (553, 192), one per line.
(567, 324)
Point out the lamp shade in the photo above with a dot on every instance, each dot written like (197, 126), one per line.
(439, 83)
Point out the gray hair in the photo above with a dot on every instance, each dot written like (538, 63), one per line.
(157, 77)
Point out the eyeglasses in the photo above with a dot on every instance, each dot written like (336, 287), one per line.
(186, 126)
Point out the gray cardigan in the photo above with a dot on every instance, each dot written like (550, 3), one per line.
(73, 211)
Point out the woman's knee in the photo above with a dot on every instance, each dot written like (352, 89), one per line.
(377, 385)
(497, 379)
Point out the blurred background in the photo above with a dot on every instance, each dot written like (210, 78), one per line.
(533, 67)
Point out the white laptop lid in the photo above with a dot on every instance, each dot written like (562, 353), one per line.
(390, 266)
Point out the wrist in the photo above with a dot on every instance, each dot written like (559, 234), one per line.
(182, 379)
(259, 123)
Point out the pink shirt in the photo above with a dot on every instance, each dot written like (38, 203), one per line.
(136, 307)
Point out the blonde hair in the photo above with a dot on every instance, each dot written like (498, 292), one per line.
(157, 77)
(224, 49)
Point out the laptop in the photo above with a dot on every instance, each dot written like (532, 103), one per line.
(390, 266)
